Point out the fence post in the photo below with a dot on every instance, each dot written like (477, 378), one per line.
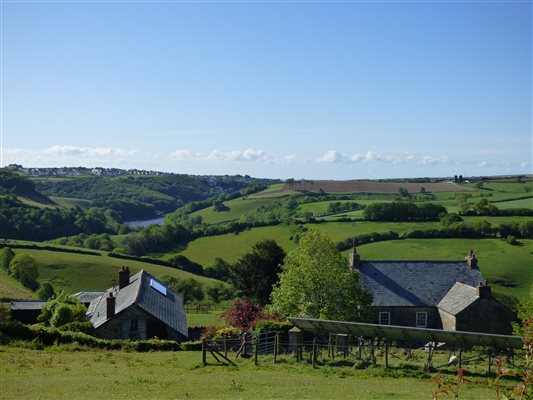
(244, 349)
(225, 342)
(278, 341)
(204, 356)
(314, 353)
(387, 354)
(276, 338)
(256, 350)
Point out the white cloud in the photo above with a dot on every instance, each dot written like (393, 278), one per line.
(333, 156)
(69, 152)
(290, 158)
(85, 151)
(183, 154)
(216, 155)
(483, 164)
(429, 160)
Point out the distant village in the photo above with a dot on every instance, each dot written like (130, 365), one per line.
(101, 171)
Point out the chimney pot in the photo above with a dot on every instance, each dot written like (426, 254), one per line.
(483, 290)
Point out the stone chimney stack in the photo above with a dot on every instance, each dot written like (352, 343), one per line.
(483, 290)
(471, 259)
(123, 277)
(355, 259)
(110, 310)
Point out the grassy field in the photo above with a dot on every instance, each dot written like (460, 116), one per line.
(498, 260)
(522, 203)
(231, 246)
(75, 272)
(59, 374)
(205, 319)
(69, 202)
(12, 289)
(237, 207)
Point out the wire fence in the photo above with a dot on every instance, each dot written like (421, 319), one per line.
(360, 351)
(203, 308)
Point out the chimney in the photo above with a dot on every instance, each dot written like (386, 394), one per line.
(471, 259)
(110, 306)
(483, 290)
(355, 259)
(123, 277)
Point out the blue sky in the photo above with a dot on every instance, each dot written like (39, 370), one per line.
(318, 90)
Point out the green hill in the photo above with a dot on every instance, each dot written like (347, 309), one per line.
(75, 272)
(12, 289)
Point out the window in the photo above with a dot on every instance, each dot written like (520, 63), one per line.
(384, 318)
(421, 319)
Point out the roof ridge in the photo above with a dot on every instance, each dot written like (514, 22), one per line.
(141, 273)
(414, 261)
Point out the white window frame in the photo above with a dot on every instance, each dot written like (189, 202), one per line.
(385, 314)
(424, 315)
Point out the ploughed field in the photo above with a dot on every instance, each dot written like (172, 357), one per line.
(374, 187)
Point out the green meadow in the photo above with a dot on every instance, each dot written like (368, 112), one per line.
(522, 203)
(70, 202)
(237, 207)
(76, 272)
(12, 289)
(55, 373)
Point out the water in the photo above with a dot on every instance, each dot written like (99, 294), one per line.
(145, 222)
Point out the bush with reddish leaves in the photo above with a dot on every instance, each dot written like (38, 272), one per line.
(242, 314)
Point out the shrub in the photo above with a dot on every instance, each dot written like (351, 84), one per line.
(191, 346)
(77, 326)
(272, 325)
(15, 330)
(242, 314)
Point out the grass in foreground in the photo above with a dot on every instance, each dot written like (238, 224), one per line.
(57, 374)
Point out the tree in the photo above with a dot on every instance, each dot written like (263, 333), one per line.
(25, 269)
(403, 192)
(316, 282)
(255, 272)
(218, 292)
(6, 255)
(46, 291)
(220, 269)
(190, 288)
(62, 310)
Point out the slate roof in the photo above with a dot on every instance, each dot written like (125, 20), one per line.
(458, 298)
(28, 304)
(87, 296)
(167, 308)
(414, 283)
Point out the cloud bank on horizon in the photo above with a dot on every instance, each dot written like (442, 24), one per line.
(348, 90)
(345, 166)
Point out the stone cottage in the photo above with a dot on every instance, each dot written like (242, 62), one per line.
(449, 295)
(139, 308)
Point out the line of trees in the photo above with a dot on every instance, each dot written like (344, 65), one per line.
(401, 211)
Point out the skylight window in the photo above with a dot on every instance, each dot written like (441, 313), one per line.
(157, 286)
